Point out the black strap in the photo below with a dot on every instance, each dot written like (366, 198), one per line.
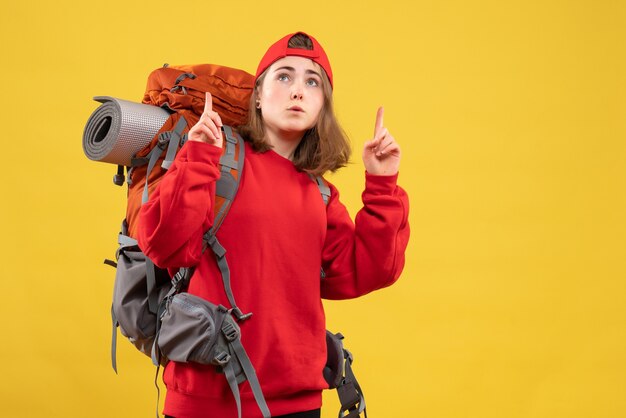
(350, 393)
(110, 263)
(118, 179)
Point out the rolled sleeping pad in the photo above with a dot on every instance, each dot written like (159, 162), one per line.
(118, 129)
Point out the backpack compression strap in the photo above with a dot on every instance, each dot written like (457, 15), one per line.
(233, 337)
(172, 139)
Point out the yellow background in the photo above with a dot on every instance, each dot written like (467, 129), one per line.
(511, 120)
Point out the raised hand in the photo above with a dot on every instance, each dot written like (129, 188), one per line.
(208, 129)
(381, 155)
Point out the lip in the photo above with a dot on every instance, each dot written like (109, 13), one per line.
(295, 108)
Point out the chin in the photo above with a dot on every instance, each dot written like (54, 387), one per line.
(301, 129)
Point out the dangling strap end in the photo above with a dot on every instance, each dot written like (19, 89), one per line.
(240, 315)
(110, 263)
(158, 389)
(119, 178)
(113, 341)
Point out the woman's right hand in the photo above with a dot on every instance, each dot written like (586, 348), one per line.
(381, 155)
(209, 127)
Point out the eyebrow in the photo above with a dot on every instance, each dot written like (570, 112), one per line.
(293, 69)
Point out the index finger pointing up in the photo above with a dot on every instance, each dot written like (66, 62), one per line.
(379, 120)
(208, 102)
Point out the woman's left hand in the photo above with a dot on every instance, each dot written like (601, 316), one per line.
(381, 155)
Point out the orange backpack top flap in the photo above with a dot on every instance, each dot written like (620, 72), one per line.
(183, 87)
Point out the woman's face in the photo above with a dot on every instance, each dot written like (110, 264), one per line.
(291, 96)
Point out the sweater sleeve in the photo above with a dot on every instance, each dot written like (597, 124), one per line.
(173, 221)
(368, 254)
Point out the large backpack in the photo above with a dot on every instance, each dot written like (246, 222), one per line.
(150, 307)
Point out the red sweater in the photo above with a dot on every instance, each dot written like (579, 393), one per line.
(277, 233)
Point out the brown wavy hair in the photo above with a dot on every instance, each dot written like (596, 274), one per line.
(324, 147)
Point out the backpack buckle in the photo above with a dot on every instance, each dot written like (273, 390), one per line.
(229, 331)
(164, 139)
(179, 277)
(349, 399)
(229, 136)
(211, 241)
(221, 358)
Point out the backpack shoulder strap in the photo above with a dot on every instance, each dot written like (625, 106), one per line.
(325, 192)
(323, 187)
(171, 139)
(231, 166)
(231, 163)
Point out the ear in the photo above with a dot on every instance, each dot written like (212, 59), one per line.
(256, 94)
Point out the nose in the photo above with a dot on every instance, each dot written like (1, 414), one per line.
(296, 93)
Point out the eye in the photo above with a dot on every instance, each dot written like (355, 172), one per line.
(282, 77)
(312, 82)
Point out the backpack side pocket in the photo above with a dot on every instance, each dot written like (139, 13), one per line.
(131, 299)
(190, 327)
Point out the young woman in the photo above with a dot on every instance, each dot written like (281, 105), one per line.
(278, 233)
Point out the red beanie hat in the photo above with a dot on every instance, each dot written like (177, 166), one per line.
(281, 50)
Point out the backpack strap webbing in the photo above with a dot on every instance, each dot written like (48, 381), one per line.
(234, 342)
(323, 187)
(114, 340)
(172, 140)
(231, 163)
(350, 392)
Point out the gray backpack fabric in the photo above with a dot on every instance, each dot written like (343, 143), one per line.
(134, 306)
(195, 330)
